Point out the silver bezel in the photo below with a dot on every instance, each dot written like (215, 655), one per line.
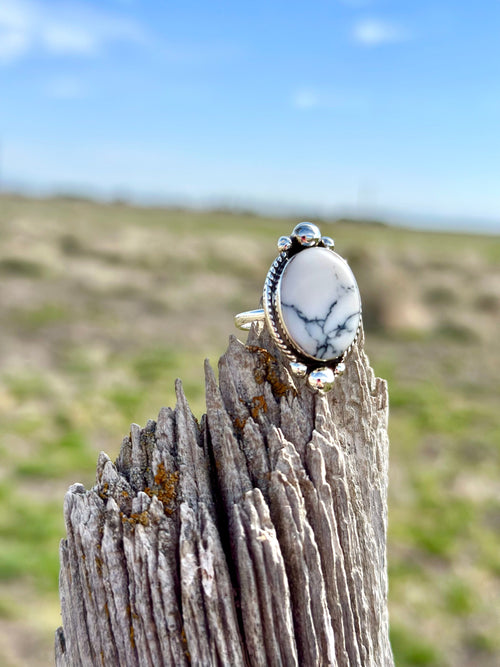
(269, 304)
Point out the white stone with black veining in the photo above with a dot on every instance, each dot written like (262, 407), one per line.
(320, 303)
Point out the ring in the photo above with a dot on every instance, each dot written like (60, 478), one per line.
(312, 306)
(245, 320)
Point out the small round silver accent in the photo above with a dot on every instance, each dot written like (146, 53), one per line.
(340, 368)
(321, 380)
(284, 243)
(307, 234)
(298, 369)
(327, 242)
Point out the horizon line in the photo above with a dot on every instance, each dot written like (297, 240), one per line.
(385, 216)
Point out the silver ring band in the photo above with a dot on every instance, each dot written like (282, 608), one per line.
(244, 320)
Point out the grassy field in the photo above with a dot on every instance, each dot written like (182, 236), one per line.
(103, 306)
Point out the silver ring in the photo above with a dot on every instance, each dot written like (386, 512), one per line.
(312, 306)
(245, 320)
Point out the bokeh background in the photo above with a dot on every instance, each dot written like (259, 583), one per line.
(150, 156)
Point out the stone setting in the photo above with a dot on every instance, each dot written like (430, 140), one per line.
(311, 306)
(318, 303)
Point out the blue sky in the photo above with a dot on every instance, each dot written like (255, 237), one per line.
(364, 105)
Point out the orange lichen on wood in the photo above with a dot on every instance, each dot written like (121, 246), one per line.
(98, 564)
(184, 641)
(267, 369)
(103, 493)
(164, 487)
(258, 404)
(135, 518)
(239, 423)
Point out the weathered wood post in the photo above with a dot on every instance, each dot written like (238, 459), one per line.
(255, 537)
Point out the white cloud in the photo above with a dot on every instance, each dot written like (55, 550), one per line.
(13, 44)
(63, 38)
(30, 26)
(14, 41)
(373, 32)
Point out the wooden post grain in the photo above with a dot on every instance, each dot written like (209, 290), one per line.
(255, 537)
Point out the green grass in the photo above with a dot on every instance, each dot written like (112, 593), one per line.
(411, 650)
(18, 266)
(40, 317)
(30, 531)
(108, 304)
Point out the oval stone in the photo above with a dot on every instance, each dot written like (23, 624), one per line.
(319, 301)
